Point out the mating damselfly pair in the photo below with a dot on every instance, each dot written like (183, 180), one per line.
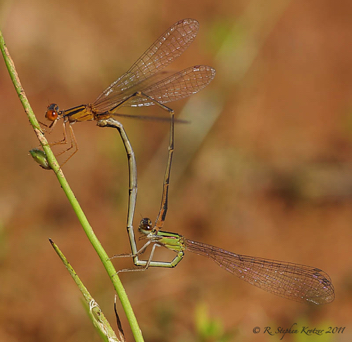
(144, 84)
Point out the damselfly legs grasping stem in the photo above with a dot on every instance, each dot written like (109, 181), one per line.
(132, 168)
(144, 84)
(137, 87)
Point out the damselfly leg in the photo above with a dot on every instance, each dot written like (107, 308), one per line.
(144, 84)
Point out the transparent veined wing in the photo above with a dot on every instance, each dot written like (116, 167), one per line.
(297, 282)
(175, 87)
(170, 45)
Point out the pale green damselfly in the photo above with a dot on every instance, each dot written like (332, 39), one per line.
(292, 281)
(289, 280)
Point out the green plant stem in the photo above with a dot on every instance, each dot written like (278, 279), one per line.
(97, 316)
(70, 195)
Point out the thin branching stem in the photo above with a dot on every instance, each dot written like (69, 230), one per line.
(70, 195)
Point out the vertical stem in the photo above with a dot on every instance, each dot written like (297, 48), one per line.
(70, 195)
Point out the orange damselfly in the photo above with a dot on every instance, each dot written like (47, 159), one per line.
(144, 84)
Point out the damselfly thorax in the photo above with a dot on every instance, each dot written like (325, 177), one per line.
(144, 84)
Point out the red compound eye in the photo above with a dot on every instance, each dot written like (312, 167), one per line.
(52, 112)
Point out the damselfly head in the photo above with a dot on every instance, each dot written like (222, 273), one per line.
(145, 225)
(52, 112)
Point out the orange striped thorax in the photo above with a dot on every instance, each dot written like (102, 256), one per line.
(75, 114)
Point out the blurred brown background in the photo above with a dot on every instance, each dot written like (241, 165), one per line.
(264, 169)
